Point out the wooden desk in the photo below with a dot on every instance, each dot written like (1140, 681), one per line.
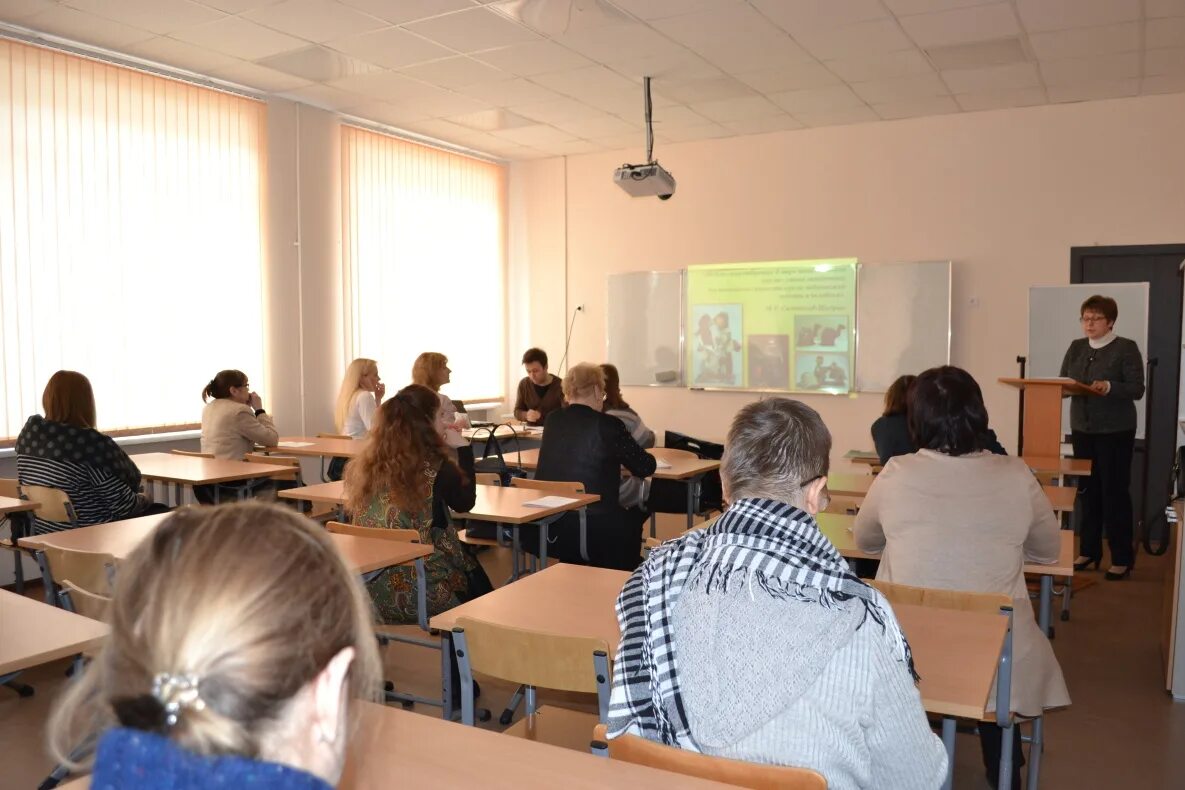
(36, 633)
(504, 431)
(1061, 498)
(10, 505)
(194, 471)
(318, 446)
(1056, 465)
(866, 457)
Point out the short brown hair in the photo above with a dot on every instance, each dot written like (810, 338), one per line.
(536, 355)
(773, 447)
(426, 368)
(946, 411)
(580, 380)
(895, 397)
(219, 386)
(68, 398)
(251, 599)
(613, 397)
(1104, 305)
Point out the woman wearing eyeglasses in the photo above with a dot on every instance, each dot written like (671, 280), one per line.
(1103, 430)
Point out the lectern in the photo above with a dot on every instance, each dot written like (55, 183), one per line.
(1042, 429)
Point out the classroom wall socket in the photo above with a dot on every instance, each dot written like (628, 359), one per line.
(580, 308)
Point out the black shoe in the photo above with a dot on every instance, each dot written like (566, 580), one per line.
(1113, 575)
(1081, 564)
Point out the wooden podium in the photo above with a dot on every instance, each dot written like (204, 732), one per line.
(1042, 429)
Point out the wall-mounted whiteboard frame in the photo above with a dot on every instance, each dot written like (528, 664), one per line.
(644, 327)
(903, 320)
(1053, 324)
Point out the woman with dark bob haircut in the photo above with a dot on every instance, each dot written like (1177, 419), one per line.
(956, 517)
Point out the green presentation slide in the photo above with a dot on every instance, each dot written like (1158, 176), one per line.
(772, 325)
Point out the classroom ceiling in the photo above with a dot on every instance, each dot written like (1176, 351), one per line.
(522, 79)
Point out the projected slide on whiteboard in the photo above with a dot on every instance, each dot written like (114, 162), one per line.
(772, 325)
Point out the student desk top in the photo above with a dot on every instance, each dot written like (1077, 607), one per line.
(120, 538)
(504, 431)
(35, 633)
(317, 446)
(1055, 465)
(680, 468)
(11, 505)
(1061, 498)
(955, 652)
(192, 470)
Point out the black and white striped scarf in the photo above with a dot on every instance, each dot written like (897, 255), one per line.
(759, 543)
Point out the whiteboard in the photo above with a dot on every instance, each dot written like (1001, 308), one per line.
(1053, 324)
(902, 321)
(644, 330)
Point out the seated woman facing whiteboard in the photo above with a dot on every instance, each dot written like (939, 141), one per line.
(890, 431)
(632, 491)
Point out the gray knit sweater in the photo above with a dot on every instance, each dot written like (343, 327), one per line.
(791, 683)
(1118, 362)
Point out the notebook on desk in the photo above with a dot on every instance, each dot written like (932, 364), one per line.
(549, 502)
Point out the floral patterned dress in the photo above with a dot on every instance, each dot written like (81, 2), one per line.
(449, 568)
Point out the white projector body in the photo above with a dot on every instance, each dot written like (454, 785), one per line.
(650, 180)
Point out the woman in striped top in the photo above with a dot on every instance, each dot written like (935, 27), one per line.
(63, 450)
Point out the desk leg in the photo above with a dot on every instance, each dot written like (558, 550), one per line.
(1004, 705)
(692, 484)
(217, 494)
(948, 741)
(46, 576)
(178, 495)
(1045, 610)
(515, 554)
(542, 544)
(448, 666)
(653, 524)
(421, 594)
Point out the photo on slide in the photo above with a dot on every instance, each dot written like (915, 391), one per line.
(769, 362)
(716, 341)
(821, 332)
(821, 372)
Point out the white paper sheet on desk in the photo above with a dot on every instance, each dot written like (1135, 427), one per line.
(662, 465)
(295, 444)
(549, 501)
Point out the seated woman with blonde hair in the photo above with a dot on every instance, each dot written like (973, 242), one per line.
(359, 397)
(404, 479)
(238, 637)
(431, 370)
(63, 450)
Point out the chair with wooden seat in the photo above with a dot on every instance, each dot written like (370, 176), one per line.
(54, 504)
(76, 599)
(284, 481)
(984, 603)
(325, 476)
(535, 660)
(93, 571)
(558, 488)
(736, 773)
(191, 453)
(381, 533)
(666, 454)
(20, 524)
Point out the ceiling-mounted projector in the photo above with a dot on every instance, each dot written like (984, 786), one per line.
(650, 179)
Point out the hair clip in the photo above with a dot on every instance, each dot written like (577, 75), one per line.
(175, 693)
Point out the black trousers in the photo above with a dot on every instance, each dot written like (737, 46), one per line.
(991, 738)
(1106, 494)
(614, 539)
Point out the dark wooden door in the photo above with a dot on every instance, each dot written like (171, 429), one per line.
(1161, 267)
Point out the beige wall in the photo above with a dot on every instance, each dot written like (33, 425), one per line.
(1003, 194)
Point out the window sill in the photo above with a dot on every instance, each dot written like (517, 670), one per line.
(135, 439)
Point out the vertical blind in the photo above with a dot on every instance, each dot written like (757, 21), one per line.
(424, 249)
(130, 236)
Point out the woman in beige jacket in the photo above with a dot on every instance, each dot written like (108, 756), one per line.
(956, 517)
(232, 424)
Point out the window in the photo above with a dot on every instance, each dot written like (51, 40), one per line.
(424, 253)
(130, 237)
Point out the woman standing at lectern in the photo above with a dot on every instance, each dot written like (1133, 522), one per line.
(1103, 430)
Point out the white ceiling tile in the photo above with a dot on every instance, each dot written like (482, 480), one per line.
(556, 110)
(407, 10)
(504, 93)
(86, 28)
(15, 10)
(916, 108)
(962, 25)
(1163, 83)
(531, 58)
(159, 16)
(1076, 71)
(315, 20)
(605, 44)
(998, 100)
(599, 126)
(837, 116)
(1162, 33)
(384, 112)
(1155, 8)
(1164, 61)
(439, 129)
(506, 150)
(743, 109)
(324, 96)
(178, 54)
(570, 148)
(804, 14)
(838, 97)
(1091, 91)
(587, 82)
(540, 133)
(619, 142)
(859, 40)
(672, 67)
(660, 9)
(706, 90)
(688, 134)
(905, 7)
(318, 64)
(776, 123)
(894, 64)
(900, 89)
(993, 78)
(557, 19)
(1086, 41)
(979, 54)
(392, 47)
(473, 30)
(1039, 15)
(443, 104)
(790, 78)
(241, 38)
(453, 72)
(739, 39)
(489, 120)
(237, 6)
(677, 115)
(386, 86)
(258, 77)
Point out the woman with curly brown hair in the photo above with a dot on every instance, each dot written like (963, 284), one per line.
(405, 479)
